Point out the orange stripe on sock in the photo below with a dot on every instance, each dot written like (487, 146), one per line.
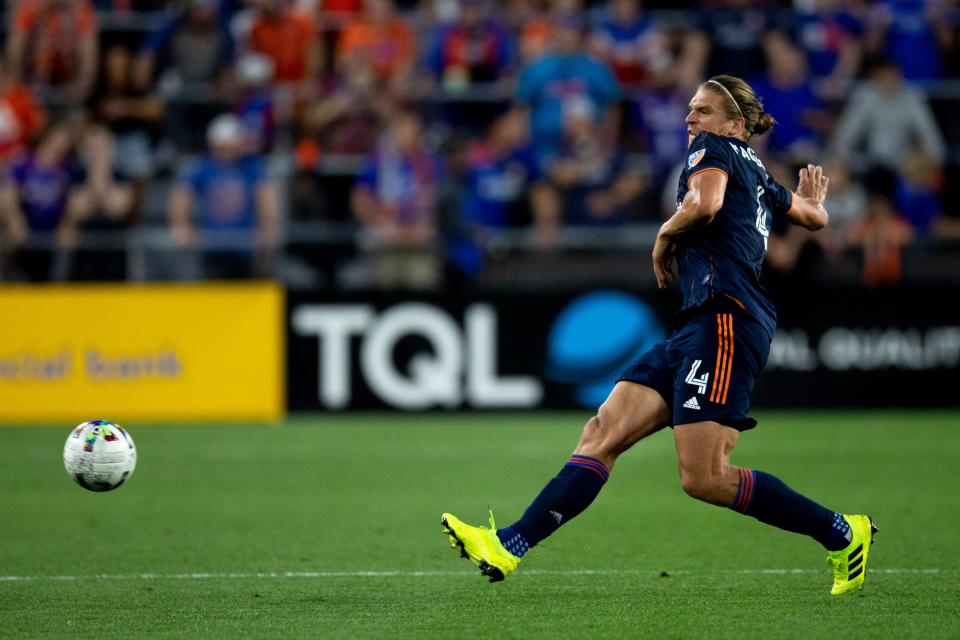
(716, 369)
(741, 489)
(726, 384)
(596, 471)
(748, 497)
(746, 490)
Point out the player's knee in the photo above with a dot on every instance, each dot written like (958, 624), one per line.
(603, 434)
(592, 435)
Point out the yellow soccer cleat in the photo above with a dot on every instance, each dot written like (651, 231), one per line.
(481, 545)
(850, 564)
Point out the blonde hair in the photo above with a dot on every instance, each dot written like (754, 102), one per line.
(741, 102)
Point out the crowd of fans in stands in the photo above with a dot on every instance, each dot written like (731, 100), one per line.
(453, 121)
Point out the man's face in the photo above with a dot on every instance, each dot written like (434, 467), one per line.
(226, 151)
(707, 114)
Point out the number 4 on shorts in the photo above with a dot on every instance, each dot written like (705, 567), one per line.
(701, 382)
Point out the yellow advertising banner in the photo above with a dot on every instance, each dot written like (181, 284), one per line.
(142, 352)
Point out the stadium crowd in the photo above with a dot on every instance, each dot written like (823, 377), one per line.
(368, 143)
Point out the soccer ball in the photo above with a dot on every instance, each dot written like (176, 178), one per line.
(99, 455)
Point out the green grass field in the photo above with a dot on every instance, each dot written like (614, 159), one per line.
(328, 526)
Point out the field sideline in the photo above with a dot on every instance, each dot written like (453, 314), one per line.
(328, 526)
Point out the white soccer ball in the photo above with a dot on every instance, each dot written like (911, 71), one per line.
(99, 455)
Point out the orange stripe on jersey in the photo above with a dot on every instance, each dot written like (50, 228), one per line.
(716, 369)
(690, 177)
(726, 383)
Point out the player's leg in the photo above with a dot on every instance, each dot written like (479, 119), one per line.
(703, 456)
(631, 412)
(722, 352)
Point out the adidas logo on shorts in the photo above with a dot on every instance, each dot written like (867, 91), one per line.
(692, 404)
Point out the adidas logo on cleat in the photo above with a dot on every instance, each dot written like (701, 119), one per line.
(692, 404)
(557, 516)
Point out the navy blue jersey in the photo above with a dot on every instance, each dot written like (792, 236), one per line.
(724, 257)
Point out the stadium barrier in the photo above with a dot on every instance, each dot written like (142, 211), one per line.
(837, 347)
(145, 353)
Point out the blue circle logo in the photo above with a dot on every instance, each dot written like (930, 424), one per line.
(595, 337)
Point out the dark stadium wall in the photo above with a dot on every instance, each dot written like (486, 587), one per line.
(834, 348)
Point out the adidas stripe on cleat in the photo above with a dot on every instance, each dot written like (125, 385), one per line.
(850, 564)
(481, 546)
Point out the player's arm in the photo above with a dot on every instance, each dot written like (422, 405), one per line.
(702, 202)
(807, 210)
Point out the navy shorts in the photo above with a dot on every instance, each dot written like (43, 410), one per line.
(707, 368)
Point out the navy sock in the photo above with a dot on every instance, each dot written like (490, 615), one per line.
(565, 496)
(769, 500)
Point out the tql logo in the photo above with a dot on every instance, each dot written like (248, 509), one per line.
(459, 366)
(595, 337)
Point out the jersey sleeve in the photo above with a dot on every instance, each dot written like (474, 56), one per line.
(781, 198)
(707, 153)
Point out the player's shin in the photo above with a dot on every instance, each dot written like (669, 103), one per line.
(568, 494)
(771, 501)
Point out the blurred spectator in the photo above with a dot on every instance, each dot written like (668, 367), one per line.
(499, 172)
(882, 233)
(475, 48)
(384, 39)
(846, 199)
(786, 92)
(41, 199)
(192, 51)
(289, 37)
(918, 190)
(886, 117)
(656, 126)
(132, 114)
(345, 122)
(735, 31)
(105, 201)
(21, 118)
(348, 118)
(53, 47)
(590, 177)
(256, 103)
(632, 44)
(914, 33)
(547, 85)
(226, 191)
(395, 200)
(830, 34)
(534, 19)
(499, 176)
(657, 117)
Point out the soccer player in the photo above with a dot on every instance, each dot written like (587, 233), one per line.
(699, 380)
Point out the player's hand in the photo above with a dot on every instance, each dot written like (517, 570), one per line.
(663, 252)
(813, 184)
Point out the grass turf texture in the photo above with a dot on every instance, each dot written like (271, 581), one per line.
(364, 493)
